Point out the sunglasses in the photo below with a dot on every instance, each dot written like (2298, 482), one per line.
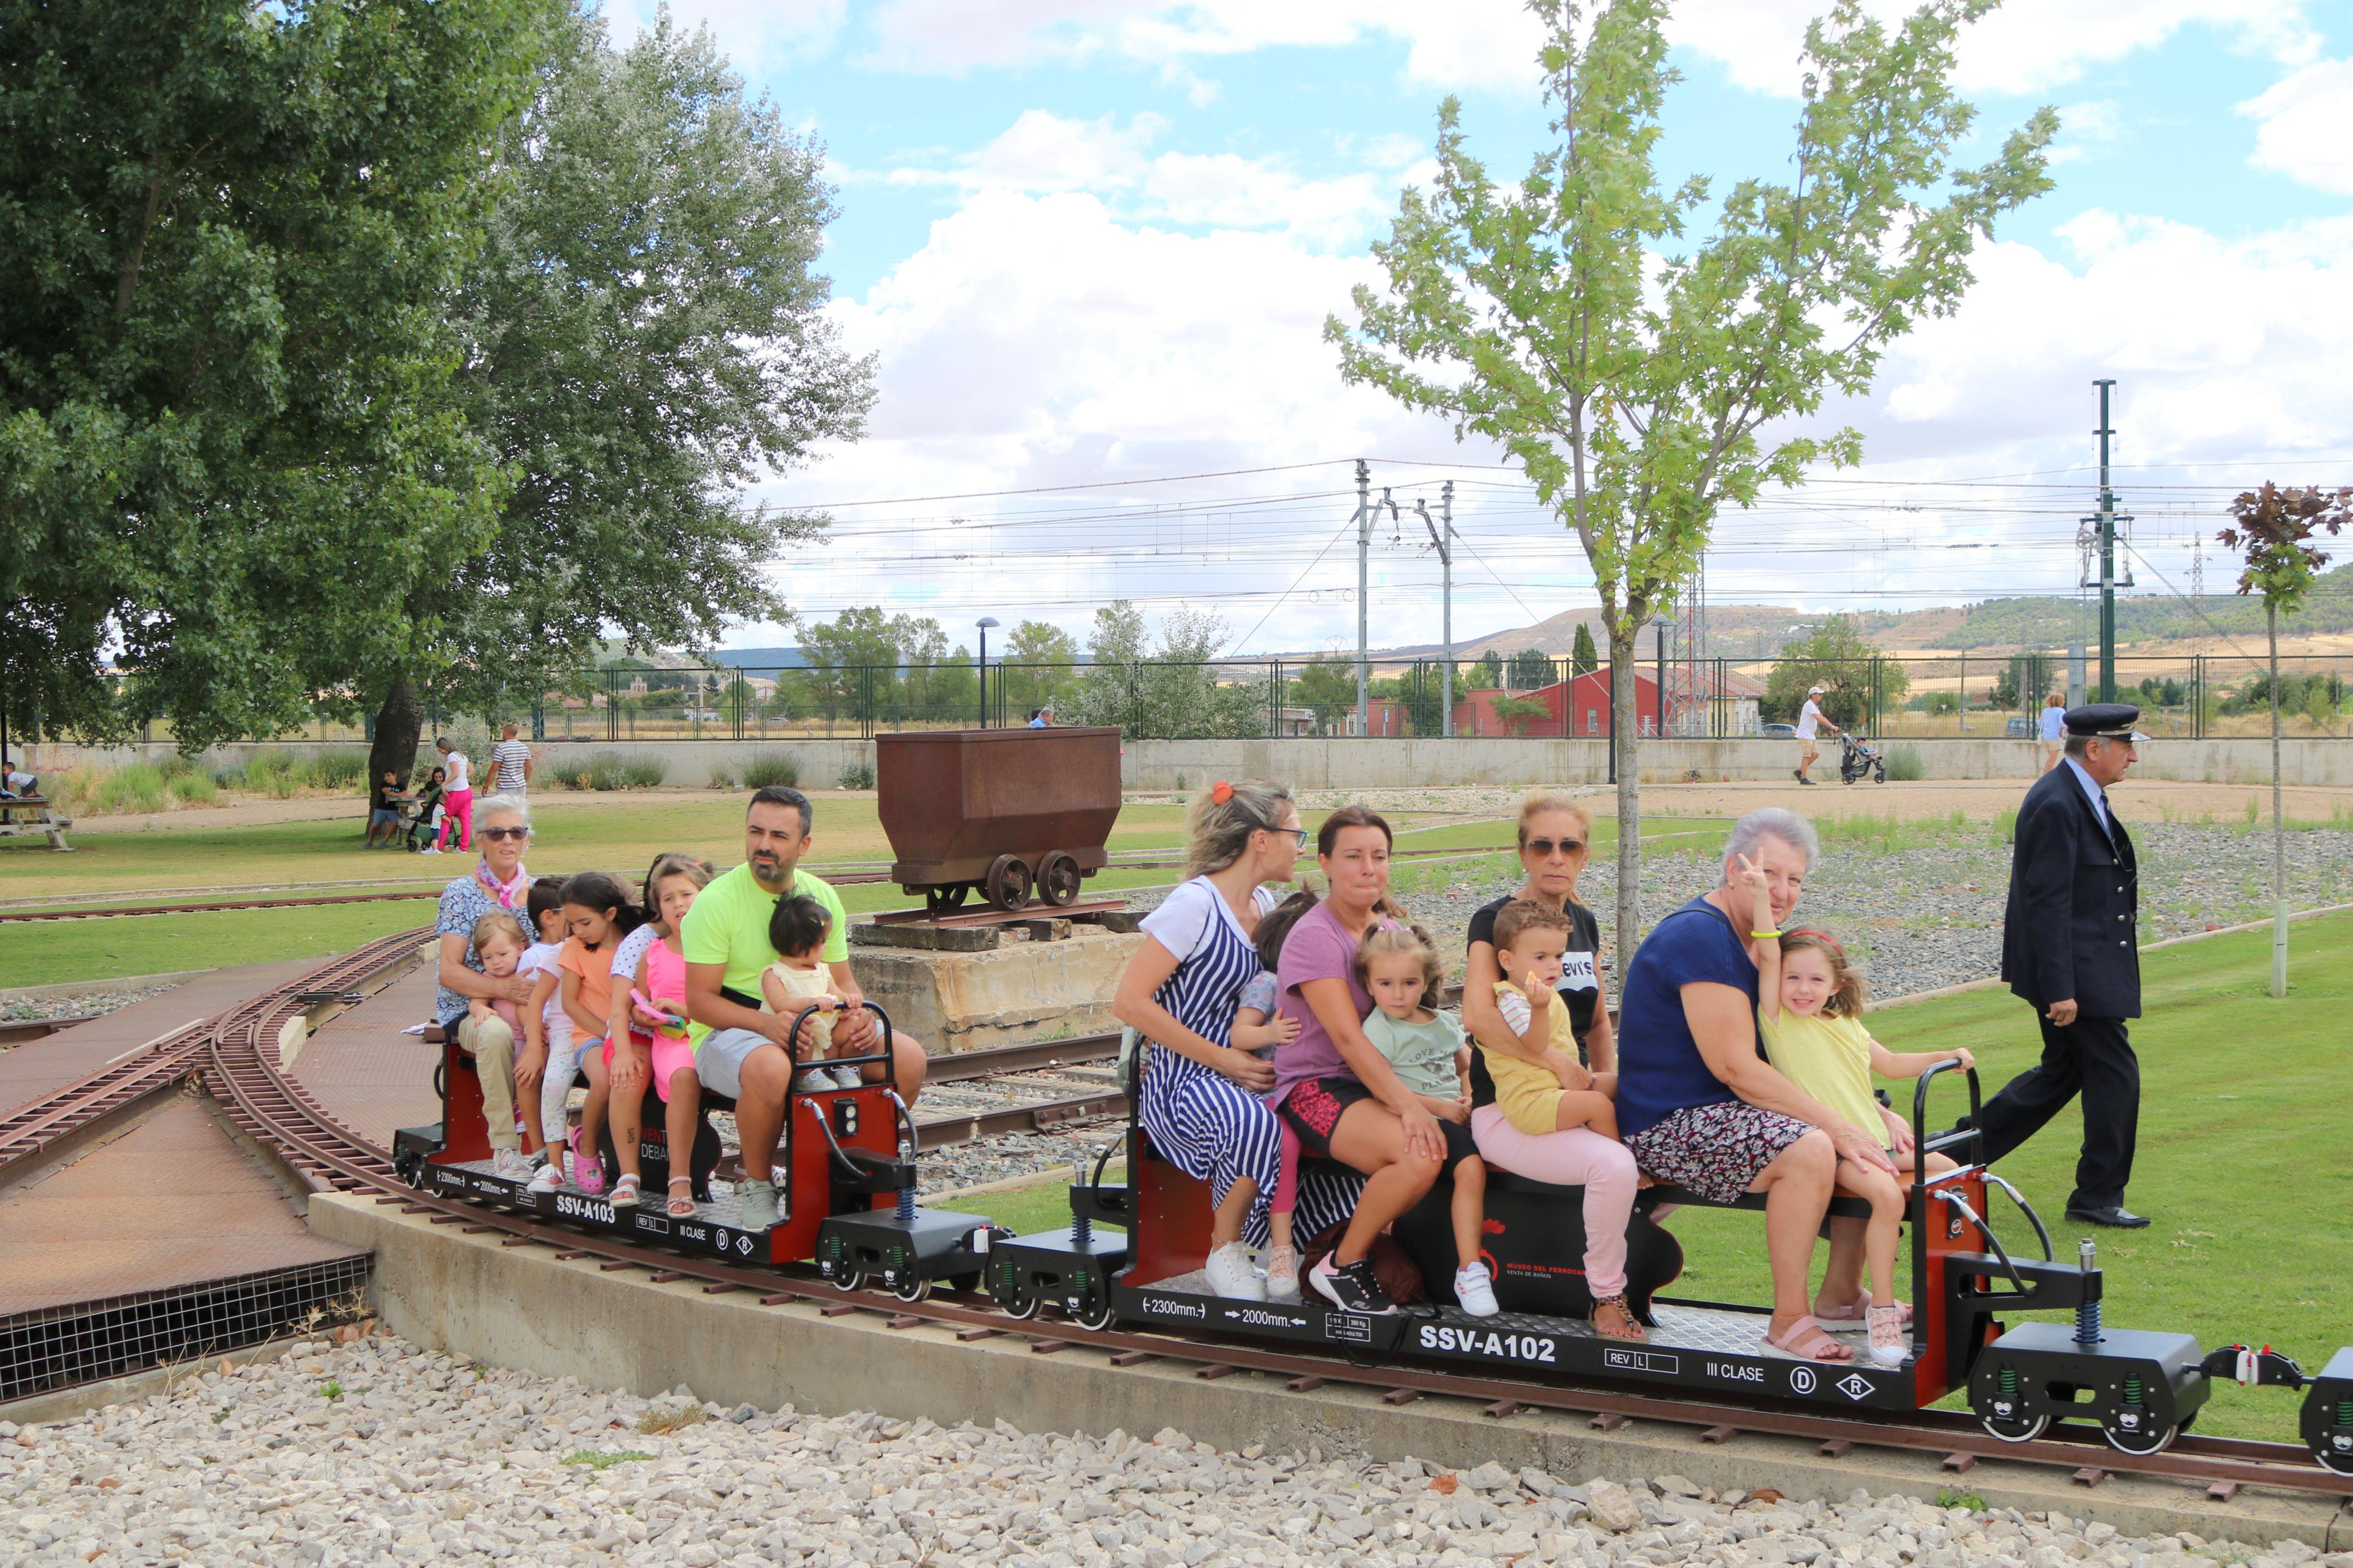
(496, 834)
(1542, 848)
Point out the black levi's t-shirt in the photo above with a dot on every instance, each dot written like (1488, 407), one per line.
(1579, 989)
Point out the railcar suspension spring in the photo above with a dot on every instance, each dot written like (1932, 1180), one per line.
(1082, 1226)
(2088, 1316)
(2133, 1391)
(2009, 1383)
(906, 1204)
(2345, 1412)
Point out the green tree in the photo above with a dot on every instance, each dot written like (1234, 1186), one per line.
(1836, 656)
(1040, 662)
(227, 438)
(1644, 374)
(1166, 689)
(2024, 681)
(1530, 668)
(646, 339)
(2275, 528)
(1485, 675)
(1326, 687)
(1582, 658)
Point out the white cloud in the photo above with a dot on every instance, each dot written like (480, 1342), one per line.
(1042, 153)
(755, 33)
(2307, 126)
(2027, 45)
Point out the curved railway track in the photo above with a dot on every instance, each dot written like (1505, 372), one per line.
(236, 1055)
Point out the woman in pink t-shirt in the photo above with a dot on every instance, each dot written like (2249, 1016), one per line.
(1336, 1091)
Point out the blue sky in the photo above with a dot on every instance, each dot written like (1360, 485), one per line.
(1092, 243)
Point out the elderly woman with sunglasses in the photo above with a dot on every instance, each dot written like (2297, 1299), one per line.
(497, 882)
(1554, 834)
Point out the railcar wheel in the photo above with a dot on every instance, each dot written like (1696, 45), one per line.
(848, 1280)
(945, 900)
(911, 1291)
(2016, 1430)
(1059, 878)
(1010, 881)
(2334, 1463)
(967, 1283)
(1024, 1305)
(2140, 1445)
(1094, 1314)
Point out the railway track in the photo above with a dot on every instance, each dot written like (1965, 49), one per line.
(239, 1051)
(23, 1031)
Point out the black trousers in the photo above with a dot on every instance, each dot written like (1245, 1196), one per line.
(2093, 1057)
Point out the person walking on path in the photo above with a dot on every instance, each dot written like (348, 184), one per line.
(2070, 945)
(511, 763)
(2053, 725)
(457, 796)
(1811, 720)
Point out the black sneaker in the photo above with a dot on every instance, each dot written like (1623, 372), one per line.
(1352, 1287)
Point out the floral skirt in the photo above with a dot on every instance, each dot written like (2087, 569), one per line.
(1715, 1150)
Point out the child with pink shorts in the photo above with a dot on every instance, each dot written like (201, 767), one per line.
(657, 1013)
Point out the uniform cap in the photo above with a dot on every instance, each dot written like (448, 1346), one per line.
(2105, 721)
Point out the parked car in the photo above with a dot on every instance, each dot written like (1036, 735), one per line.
(2020, 728)
(702, 716)
(1777, 731)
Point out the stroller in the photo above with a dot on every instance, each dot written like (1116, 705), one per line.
(1857, 759)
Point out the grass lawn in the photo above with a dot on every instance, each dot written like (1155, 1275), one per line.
(2242, 1161)
(1026, 1211)
(568, 836)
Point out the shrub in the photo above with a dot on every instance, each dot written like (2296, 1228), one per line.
(772, 768)
(272, 773)
(644, 772)
(858, 775)
(1904, 762)
(193, 788)
(338, 770)
(723, 775)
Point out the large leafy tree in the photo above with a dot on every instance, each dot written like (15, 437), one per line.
(226, 438)
(647, 340)
(1836, 656)
(2275, 528)
(1645, 375)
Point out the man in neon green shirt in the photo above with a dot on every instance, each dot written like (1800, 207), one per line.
(740, 1050)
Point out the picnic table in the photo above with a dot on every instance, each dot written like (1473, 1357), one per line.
(43, 819)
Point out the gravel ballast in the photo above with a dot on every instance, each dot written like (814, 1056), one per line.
(376, 1452)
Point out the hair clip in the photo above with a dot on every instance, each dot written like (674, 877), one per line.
(1221, 792)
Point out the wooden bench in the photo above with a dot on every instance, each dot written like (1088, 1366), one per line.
(44, 820)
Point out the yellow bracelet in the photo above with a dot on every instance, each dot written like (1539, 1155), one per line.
(1766, 935)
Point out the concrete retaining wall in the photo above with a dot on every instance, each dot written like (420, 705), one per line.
(1340, 764)
(522, 1308)
(1019, 992)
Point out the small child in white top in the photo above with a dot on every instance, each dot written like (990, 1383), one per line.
(546, 1055)
(800, 979)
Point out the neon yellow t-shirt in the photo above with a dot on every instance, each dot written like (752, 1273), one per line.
(729, 925)
(1829, 1058)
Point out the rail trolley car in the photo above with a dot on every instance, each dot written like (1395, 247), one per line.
(1135, 1250)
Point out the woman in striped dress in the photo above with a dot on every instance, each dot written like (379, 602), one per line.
(1199, 1097)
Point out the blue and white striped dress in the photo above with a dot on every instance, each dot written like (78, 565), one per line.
(1202, 1121)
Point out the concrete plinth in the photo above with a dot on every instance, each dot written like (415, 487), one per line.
(522, 1308)
(1017, 992)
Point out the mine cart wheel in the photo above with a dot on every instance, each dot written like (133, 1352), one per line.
(912, 1288)
(2140, 1445)
(1095, 1313)
(942, 901)
(2019, 1429)
(1058, 879)
(1009, 883)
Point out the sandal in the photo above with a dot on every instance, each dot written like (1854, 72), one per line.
(680, 1205)
(1839, 1320)
(624, 1195)
(1626, 1326)
(1792, 1342)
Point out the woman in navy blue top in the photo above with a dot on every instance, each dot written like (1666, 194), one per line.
(1700, 1106)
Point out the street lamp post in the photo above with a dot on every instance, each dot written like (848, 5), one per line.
(985, 623)
(1659, 624)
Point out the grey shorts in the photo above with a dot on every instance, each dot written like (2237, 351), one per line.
(719, 1060)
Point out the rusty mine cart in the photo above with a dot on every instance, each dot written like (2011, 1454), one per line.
(1017, 814)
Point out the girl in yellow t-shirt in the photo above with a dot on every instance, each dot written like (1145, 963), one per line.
(1810, 1018)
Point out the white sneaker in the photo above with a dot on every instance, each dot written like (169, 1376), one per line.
(550, 1177)
(812, 1080)
(847, 1078)
(1231, 1275)
(1475, 1291)
(428, 852)
(509, 1165)
(1282, 1274)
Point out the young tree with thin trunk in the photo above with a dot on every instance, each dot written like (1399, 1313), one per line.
(2275, 528)
(1633, 370)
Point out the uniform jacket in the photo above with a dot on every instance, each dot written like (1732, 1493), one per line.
(2072, 928)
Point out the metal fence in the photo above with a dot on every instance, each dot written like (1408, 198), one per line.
(1907, 697)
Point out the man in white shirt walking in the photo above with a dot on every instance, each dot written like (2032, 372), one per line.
(511, 763)
(1811, 720)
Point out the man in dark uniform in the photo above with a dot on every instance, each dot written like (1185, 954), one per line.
(2070, 945)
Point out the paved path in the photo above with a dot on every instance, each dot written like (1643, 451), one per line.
(366, 1072)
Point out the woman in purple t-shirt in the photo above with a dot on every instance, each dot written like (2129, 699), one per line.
(1337, 1093)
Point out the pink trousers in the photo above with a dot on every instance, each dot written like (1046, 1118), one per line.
(1578, 1157)
(458, 806)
